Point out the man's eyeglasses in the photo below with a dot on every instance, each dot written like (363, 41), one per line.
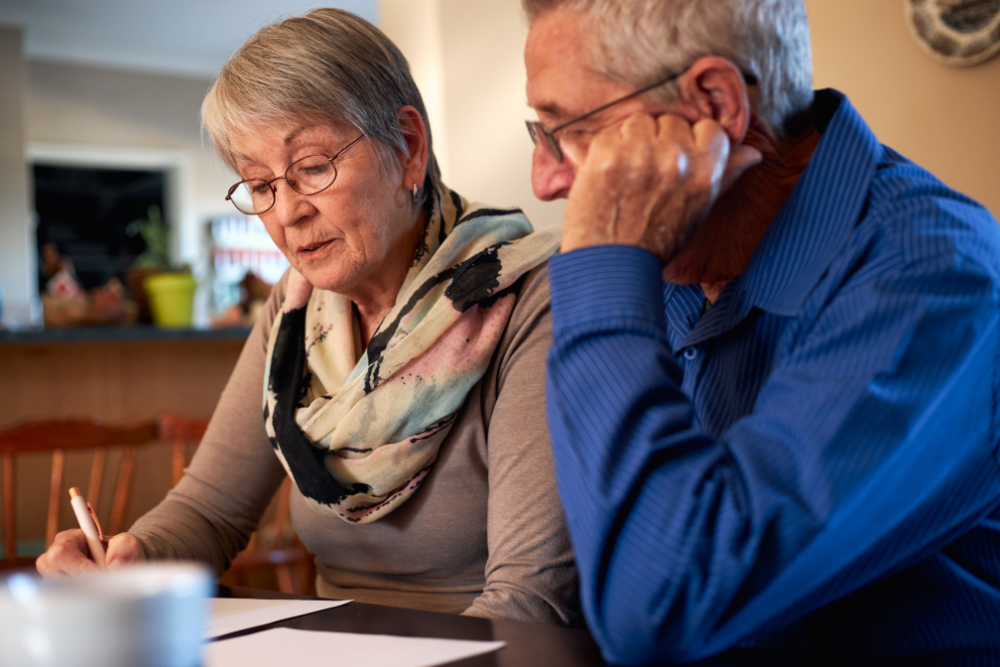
(539, 132)
(308, 176)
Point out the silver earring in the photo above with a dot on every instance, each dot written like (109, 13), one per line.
(414, 193)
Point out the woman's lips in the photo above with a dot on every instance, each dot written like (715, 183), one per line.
(315, 251)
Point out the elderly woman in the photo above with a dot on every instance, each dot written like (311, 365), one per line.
(401, 358)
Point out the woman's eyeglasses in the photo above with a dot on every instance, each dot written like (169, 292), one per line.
(308, 176)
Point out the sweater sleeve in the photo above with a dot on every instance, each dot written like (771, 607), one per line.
(211, 513)
(530, 572)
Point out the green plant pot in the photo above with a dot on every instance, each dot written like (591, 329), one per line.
(171, 298)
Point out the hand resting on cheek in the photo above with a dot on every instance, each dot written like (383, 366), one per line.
(649, 181)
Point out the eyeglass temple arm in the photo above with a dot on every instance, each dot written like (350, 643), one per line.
(750, 80)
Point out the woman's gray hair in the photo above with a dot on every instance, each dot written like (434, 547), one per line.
(639, 41)
(328, 66)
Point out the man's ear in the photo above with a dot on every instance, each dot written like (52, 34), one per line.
(715, 86)
(415, 132)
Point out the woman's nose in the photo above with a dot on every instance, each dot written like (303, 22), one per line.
(550, 179)
(290, 207)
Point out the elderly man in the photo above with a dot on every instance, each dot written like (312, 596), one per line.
(773, 388)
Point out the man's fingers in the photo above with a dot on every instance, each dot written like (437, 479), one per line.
(732, 161)
(741, 159)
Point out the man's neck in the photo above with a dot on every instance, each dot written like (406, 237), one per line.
(727, 238)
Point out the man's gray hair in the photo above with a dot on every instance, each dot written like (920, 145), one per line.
(639, 41)
(329, 67)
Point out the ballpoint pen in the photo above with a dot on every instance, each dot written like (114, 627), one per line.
(89, 524)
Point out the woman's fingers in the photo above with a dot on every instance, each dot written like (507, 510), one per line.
(68, 554)
(124, 549)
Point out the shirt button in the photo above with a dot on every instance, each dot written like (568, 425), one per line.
(690, 354)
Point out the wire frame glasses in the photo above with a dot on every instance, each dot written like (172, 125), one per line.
(539, 132)
(309, 176)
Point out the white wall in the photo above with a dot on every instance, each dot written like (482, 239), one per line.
(467, 58)
(16, 232)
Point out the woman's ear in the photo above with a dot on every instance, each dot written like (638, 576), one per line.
(716, 87)
(415, 133)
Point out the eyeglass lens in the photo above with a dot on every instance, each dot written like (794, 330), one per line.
(308, 176)
(537, 132)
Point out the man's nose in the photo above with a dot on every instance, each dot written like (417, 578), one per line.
(550, 179)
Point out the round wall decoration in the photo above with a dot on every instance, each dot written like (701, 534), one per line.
(956, 32)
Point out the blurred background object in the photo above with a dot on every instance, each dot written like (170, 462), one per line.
(245, 264)
(65, 303)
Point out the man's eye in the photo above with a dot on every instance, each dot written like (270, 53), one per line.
(573, 134)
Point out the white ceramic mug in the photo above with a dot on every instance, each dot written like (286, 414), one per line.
(151, 615)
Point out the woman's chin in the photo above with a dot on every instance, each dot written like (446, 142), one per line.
(325, 278)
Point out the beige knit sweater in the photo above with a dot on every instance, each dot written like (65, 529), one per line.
(484, 535)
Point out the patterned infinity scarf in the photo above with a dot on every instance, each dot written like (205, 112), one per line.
(359, 438)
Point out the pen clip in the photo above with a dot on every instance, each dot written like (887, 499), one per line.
(93, 515)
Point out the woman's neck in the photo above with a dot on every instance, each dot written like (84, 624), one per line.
(376, 298)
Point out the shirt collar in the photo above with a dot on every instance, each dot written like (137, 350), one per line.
(813, 223)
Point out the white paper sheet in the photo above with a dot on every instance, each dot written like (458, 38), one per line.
(234, 614)
(280, 647)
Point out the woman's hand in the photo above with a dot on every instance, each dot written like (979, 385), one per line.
(69, 554)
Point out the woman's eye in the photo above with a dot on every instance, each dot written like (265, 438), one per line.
(313, 169)
(259, 188)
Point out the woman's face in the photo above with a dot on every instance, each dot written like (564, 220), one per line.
(348, 238)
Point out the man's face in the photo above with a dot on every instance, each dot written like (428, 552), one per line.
(561, 86)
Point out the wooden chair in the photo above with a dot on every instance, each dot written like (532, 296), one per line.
(275, 556)
(179, 430)
(59, 437)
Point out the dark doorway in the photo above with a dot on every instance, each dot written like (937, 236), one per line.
(88, 213)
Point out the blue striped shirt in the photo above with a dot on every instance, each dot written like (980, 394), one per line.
(811, 462)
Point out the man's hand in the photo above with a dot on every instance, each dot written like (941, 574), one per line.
(69, 554)
(648, 183)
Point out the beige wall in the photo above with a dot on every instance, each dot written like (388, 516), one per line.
(472, 79)
(467, 59)
(946, 119)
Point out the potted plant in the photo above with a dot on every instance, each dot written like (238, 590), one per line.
(167, 290)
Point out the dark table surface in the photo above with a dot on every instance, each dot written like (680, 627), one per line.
(528, 644)
(131, 333)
